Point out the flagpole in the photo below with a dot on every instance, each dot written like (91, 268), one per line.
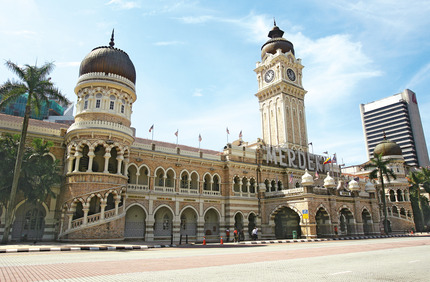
(177, 136)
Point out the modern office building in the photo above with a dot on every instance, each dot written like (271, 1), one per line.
(398, 118)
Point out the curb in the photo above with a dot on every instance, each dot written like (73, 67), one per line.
(84, 248)
(324, 239)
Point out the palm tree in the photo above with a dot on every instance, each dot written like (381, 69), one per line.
(34, 82)
(381, 170)
(415, 179)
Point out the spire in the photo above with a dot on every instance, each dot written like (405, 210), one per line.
(274, 21)
(112, 43)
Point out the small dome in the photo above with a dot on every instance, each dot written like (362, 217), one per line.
(387, 148)
(329, 181)
(353, 185)
(369, 187)
(307, 179)
(108, 59)
(276, 42)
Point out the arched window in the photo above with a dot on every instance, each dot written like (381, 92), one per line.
(273, 186)
(215, 185)
(236, 184)
(244, 185)
(86, 101)
(399, 195)
(112, 102)
(122, 106)
(159, 178)
(98, 100)
(252, 185)
(184, 180)
(267, 183)
(194, 181)
(207, 182)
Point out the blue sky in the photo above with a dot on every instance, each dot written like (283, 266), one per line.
(195, 59)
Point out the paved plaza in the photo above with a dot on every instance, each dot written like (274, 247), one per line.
(388, 259)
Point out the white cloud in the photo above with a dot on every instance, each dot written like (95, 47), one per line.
(197, 93)
(168, 43)
(422, 76)
(196, 19)
(124, 5)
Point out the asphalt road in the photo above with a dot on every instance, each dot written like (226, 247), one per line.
(390, 259)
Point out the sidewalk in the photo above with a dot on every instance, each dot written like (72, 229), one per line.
(126, 245)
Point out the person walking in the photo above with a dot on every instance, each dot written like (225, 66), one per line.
(254, 233)
(236, 235)
(227, 234)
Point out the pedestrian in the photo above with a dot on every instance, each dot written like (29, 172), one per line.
(236, 236)
(254, 233)
(227, 234)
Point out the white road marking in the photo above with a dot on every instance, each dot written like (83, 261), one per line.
(343, 272)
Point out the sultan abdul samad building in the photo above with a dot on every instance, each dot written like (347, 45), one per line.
(118, 186)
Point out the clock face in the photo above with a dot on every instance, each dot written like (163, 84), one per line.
(291, 75)
(269, 75)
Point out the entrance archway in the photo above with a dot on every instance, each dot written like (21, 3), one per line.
(346, 222)
(251, 223)
(323, 223)
(287, 221)
(163, 225)
(135, 223)
(367, 222)
(29, 223)
(238, 222)
(211, 228)
(189, 222)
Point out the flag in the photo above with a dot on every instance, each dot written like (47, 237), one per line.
(291, 178)
(326, 152)
(240, 134)
(200, 138)
(310, 143)
(176, 133)
(228, 131)
(316, 175)
(327, 161)
(334, 158)
(151, 128)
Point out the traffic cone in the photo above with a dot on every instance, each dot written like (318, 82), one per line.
(204, 240)
(221, 241)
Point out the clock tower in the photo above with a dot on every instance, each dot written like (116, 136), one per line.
(281, 94)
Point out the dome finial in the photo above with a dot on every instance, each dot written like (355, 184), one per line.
(112, 43)
(274, 21)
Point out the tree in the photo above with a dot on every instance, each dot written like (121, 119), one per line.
(380, 170)
(39, 172)
(34, 82)
(415, 179)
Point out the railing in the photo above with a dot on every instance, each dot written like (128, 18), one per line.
(244, 194)
(99, 177)
(164, 189)
(287, 192)
(100, 124)
(189, 191)
(93, 218)
(137, 188)
(77, 222)
(211, 193)
(109, 213)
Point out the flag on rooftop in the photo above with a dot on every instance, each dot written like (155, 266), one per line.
(228, 131)
(200, 138)
(240, 134)
(291, 178)
(327, 161)
(151, 128)
(176, 133)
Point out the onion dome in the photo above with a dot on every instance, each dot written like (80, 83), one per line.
(329, 181)
(370, 188)
(307, 179)
(353, 185)
(276, 42)
(108, 60)
(387, 148)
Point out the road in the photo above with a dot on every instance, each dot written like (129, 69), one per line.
(390, 259)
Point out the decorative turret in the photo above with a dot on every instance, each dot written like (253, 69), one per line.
(353, 185)
(329, 181)
(307, 179)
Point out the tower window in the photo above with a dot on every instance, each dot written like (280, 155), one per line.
(86, 102)
(112, 105)
(98, 101)
(122, 109)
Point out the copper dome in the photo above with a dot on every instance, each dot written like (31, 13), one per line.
(108, 59)
(387, 148)
(276, 42)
